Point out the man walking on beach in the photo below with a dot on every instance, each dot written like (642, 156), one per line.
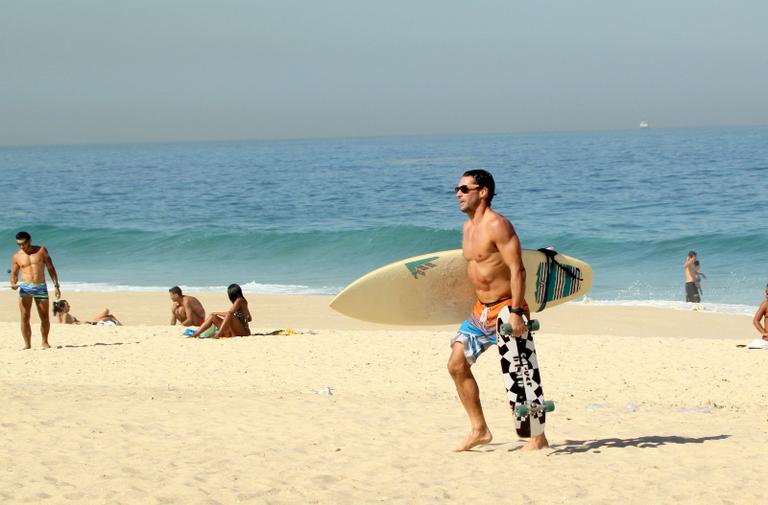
(495, 269)
(761, 317)
(32, 260)
(689, 267)
(186, 310)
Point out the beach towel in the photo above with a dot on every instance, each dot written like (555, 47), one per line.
(758, 343)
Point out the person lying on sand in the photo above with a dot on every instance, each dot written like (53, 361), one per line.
(761, 317)
(234, 322)
(61, 310)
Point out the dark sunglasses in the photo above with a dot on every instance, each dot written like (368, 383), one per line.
(464, 189)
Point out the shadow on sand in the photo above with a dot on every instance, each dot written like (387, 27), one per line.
(649, 442)
(70, 346)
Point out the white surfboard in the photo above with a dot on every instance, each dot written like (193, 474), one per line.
(434, 289)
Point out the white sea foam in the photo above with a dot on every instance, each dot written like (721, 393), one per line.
(720, 308)
(297, 289)
(249, 287)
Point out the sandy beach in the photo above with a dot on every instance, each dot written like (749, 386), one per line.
(653, 406)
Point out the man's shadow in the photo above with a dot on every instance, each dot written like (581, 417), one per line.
(72, 346)
(648, 442)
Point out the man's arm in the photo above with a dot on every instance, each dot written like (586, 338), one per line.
(759, 315)
(14, 273)
(173, 315)
(688, 262)
(52, 273)
(503, 235)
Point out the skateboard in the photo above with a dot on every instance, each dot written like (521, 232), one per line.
(520, 368)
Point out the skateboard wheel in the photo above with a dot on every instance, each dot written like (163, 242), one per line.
(506, 329)
(533, 325)
(524, 410)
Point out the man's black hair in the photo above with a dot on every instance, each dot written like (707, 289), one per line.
(483, 179)
(175, 290)
(22, 235)
(692, 253)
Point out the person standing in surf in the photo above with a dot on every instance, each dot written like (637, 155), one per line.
(495, 269)
(31, 261)
(689, 267)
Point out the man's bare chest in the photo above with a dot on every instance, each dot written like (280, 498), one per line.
(28, 260)
(478, 246)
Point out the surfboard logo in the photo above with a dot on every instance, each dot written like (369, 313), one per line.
(420, 267)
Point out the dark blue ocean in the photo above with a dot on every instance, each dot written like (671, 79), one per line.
(309, 216)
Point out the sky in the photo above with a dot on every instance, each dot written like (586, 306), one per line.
(97, 71)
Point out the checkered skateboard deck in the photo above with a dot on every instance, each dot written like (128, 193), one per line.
(520, 369)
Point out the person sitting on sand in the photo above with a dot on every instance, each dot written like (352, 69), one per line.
(186, 310)
(61, 310)
(761, 317)
(234, 322)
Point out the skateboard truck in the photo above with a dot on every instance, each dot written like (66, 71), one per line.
(525, 410)
(532, 324)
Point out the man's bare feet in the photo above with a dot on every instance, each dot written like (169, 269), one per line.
(536, 443)
(475, 438)
(26, 348)
(45, 345)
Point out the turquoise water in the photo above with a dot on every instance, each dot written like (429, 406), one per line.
(310, 216)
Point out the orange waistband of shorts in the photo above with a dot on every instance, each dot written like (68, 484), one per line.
(493, 308)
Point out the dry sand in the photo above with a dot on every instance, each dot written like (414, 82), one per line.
(653, 406)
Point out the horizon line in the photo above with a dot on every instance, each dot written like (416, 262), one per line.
(363, 137)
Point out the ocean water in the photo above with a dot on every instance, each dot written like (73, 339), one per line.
(309, 216)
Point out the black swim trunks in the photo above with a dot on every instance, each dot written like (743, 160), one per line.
(692, 293)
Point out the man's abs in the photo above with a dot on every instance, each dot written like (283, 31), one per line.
(33, 273)
(490, 279)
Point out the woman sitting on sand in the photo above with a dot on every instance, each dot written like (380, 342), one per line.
(104, 318)
(234, 322)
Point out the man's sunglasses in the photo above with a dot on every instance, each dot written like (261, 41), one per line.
(464, 189)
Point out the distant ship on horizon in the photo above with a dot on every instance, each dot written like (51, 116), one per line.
(644, 124)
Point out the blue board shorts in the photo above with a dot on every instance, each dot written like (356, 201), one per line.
(478, 332)
(37, 290)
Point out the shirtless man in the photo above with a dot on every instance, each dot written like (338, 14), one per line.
(186, 310)
(495, 268)
(32, 260)
(689, 267)
(761, 317)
